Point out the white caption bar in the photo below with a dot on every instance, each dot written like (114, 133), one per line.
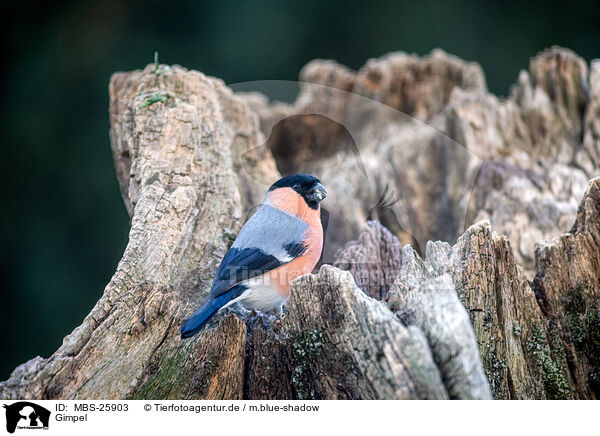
(298, 417)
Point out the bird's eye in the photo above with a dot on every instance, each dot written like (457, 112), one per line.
(296, 187)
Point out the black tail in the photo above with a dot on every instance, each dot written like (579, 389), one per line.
(201, 317)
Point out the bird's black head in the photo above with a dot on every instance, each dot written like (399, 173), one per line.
(307, 186)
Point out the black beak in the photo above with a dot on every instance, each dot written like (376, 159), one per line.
(317, 193)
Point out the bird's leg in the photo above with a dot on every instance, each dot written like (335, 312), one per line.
(281, 315)
(254, 315)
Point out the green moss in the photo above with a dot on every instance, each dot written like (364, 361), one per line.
(583, 320)
(166, 380)
(516, 329)
(495, 369)
(552, 373)
(155, 98)
(158, 69)
(592, 349)
(488, 322)
(306, 348)
(229, 237)
(156, 63)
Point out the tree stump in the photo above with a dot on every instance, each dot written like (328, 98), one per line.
(411, 150)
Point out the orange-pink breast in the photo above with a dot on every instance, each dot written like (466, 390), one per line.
(289, 201)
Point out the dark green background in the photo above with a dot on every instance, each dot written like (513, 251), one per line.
(63, 224)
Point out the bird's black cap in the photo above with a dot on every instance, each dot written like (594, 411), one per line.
(309, 187)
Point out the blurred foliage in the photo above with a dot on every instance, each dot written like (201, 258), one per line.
(63, 224)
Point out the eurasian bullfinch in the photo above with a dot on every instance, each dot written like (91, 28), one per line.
(281, 241)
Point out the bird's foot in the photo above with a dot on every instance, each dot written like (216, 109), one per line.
(258, 319)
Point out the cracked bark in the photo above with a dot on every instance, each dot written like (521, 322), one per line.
(432, 320)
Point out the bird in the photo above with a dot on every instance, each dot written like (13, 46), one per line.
(281, 241)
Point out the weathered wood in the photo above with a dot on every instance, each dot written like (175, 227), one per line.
(374, 259)
(269, 362)
(462, 321)
(211, 366)
(567, 286)
(446, 152)
(435, 308)
(527, 349)
(190, 165)
(347, 345)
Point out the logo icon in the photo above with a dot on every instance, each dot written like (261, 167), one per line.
(26, 415)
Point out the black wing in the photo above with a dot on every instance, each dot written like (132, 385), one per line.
(242, 264)
(269, 239)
